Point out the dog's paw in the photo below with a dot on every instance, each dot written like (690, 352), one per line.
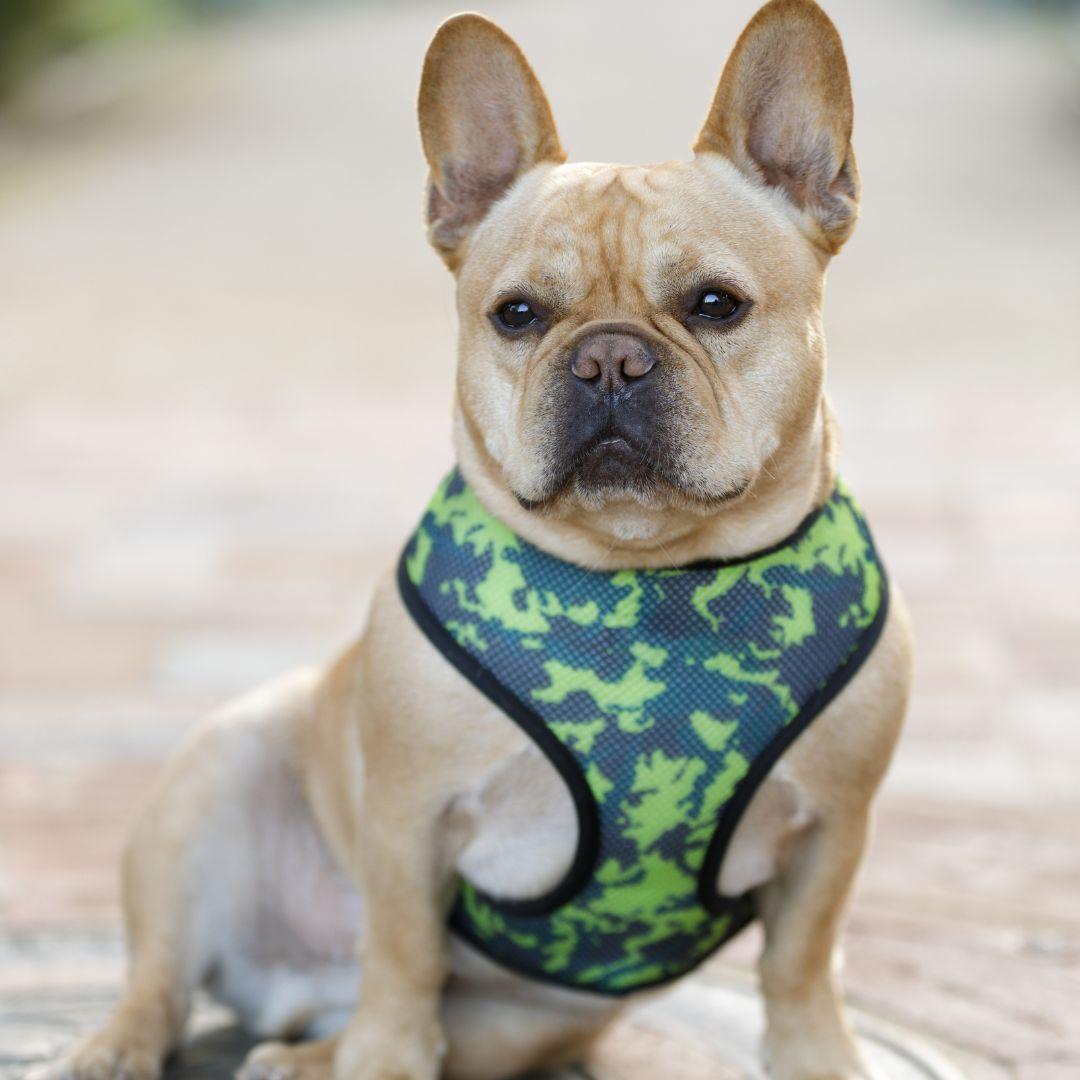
(101, 1057)
(276, 1061)
(816, 1052)
(377, 1052)
(809, 1038)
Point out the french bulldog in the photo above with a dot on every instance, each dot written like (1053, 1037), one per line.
(639, 387)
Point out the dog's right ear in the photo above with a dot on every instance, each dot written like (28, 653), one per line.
(484, 121)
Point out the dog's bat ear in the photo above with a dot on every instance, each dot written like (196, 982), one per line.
(783, 115)
(484, 121)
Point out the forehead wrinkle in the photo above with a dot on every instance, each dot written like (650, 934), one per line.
(653, 229)
(607, 239)
(576, 242)
(688, 256)
(619, 224)
(639, 278)
(550, 267)
(563, 250)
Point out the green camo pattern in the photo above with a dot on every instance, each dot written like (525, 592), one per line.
(663, 687)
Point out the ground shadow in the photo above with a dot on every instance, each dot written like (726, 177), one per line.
(211, 1055)
(217, 1054)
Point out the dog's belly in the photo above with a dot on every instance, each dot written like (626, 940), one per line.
(273, 919)
(525, 829)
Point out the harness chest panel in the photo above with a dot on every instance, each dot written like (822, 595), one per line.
(663, 697)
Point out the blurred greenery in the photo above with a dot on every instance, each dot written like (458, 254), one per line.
(35, 30)
(1049, 7)
(32, 31)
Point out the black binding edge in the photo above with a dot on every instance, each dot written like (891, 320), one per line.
(743, 913)
(588, 814)
(801, 530)
(762, 765)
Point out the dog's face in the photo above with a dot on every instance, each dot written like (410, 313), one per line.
(639, 333)
(644, 335)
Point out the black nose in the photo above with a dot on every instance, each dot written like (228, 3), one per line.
(611, 359)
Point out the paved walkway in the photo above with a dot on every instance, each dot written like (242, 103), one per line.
(708, 1028)
(219, 413)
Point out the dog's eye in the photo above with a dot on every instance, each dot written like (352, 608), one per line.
(717, 305)
(517, 314)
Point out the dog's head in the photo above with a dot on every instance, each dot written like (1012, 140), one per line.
(641, 344)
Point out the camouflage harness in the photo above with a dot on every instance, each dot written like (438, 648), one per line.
(663, 697)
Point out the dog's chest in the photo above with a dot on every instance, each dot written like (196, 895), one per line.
(523, 832)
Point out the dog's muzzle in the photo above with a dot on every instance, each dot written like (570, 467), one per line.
(611, 400)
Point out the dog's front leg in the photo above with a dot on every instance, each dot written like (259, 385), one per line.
(395, 1033)
(808, 1036)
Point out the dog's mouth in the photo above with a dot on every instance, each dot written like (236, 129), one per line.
(609, 463)
(612, 461)
(614, 465)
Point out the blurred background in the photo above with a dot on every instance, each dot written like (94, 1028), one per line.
(225, 370)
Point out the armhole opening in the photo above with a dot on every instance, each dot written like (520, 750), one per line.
(733, 810)
(586, 810)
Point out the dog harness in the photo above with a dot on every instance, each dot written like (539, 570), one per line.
(662, 697)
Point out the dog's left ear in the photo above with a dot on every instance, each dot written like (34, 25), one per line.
(484, 121)
(783, 115)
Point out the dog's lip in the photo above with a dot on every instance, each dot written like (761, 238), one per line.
(736, 491)
(611, 442)
(612, 459)
(610, 446)
(621, 445)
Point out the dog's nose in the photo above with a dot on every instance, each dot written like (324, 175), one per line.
(611, 359)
